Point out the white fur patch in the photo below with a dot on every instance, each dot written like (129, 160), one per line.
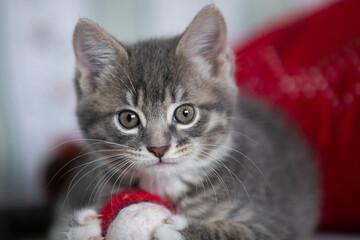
(167, 186)
(165, 232)
(89, 226)
(178, 222)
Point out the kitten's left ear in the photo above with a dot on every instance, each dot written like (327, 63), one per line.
(206, 38)
(95, 49)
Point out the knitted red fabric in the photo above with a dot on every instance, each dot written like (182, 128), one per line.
(311, 69)
(123, 199)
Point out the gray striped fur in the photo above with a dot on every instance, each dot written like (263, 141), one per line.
(242, 170)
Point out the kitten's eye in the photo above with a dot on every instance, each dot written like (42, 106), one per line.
(184, 114)
(128, 119)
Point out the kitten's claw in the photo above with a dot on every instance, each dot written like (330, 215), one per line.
(166, 221)
(88, 226)
(96, 238)
(170, 228)
(91, 218)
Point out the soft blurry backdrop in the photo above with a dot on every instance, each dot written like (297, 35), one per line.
(37, 100)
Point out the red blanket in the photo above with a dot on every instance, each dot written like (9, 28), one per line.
(311, 68)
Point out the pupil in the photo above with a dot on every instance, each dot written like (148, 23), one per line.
(186, 113)
(129, 117)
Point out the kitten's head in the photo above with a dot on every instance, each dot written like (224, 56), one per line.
(161, 105)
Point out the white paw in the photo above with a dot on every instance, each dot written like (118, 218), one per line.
(170, 228)
(88, 226)
(137, 221)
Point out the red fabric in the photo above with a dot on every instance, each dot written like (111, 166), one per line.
(311, 68)
(123, 199)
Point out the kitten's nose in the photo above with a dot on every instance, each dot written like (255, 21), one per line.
(158, 151)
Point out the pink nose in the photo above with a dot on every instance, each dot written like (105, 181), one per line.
(158, 151)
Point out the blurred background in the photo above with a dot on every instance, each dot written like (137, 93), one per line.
(37, 100)
(37, 67)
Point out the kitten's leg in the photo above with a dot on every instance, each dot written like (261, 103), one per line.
(179, 228)
(85, 225)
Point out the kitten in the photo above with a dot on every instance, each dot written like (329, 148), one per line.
(164, 115)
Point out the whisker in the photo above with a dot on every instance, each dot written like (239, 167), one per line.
(116, 170)
(72, 186)
(242, 154)
(88, 163)
(109, 171)
(217, 176)
(209, 180)
(217, 161)
(197, 173)
(132, 175)
(121, 176)
(105, 179)
(86, 139)
(72, 160)
(96, 178)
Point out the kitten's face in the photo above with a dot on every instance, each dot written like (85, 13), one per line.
(161, 106)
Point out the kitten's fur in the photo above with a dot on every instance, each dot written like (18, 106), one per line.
(237, 171)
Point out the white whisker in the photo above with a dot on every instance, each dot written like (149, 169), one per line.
(213, 170)
(72, 186)
(242, 154)
(217, 161)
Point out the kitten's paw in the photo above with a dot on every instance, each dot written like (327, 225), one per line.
(170, 228)
(87, 226)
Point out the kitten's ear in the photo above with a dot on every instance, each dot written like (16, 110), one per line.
(206, 38)
(94, 49)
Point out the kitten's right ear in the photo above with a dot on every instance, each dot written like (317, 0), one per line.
(95, 49)
(206, 39)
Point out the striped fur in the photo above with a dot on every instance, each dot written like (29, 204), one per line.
(239, 170)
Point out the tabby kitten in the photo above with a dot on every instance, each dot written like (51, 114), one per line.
(164, 115)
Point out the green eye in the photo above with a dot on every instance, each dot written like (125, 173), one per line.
(128, 119)
(184, 114)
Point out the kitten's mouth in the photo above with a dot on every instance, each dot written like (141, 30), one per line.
(165, 163)
(161, 163)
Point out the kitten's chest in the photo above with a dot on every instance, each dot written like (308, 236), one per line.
(169, 188)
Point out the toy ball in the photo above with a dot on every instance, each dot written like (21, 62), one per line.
(133, 214)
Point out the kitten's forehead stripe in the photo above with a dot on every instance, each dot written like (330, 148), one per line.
(163, 94)
(138, 92)
(184, 96)
(218, 106)
(129, 98)
(173, 95)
